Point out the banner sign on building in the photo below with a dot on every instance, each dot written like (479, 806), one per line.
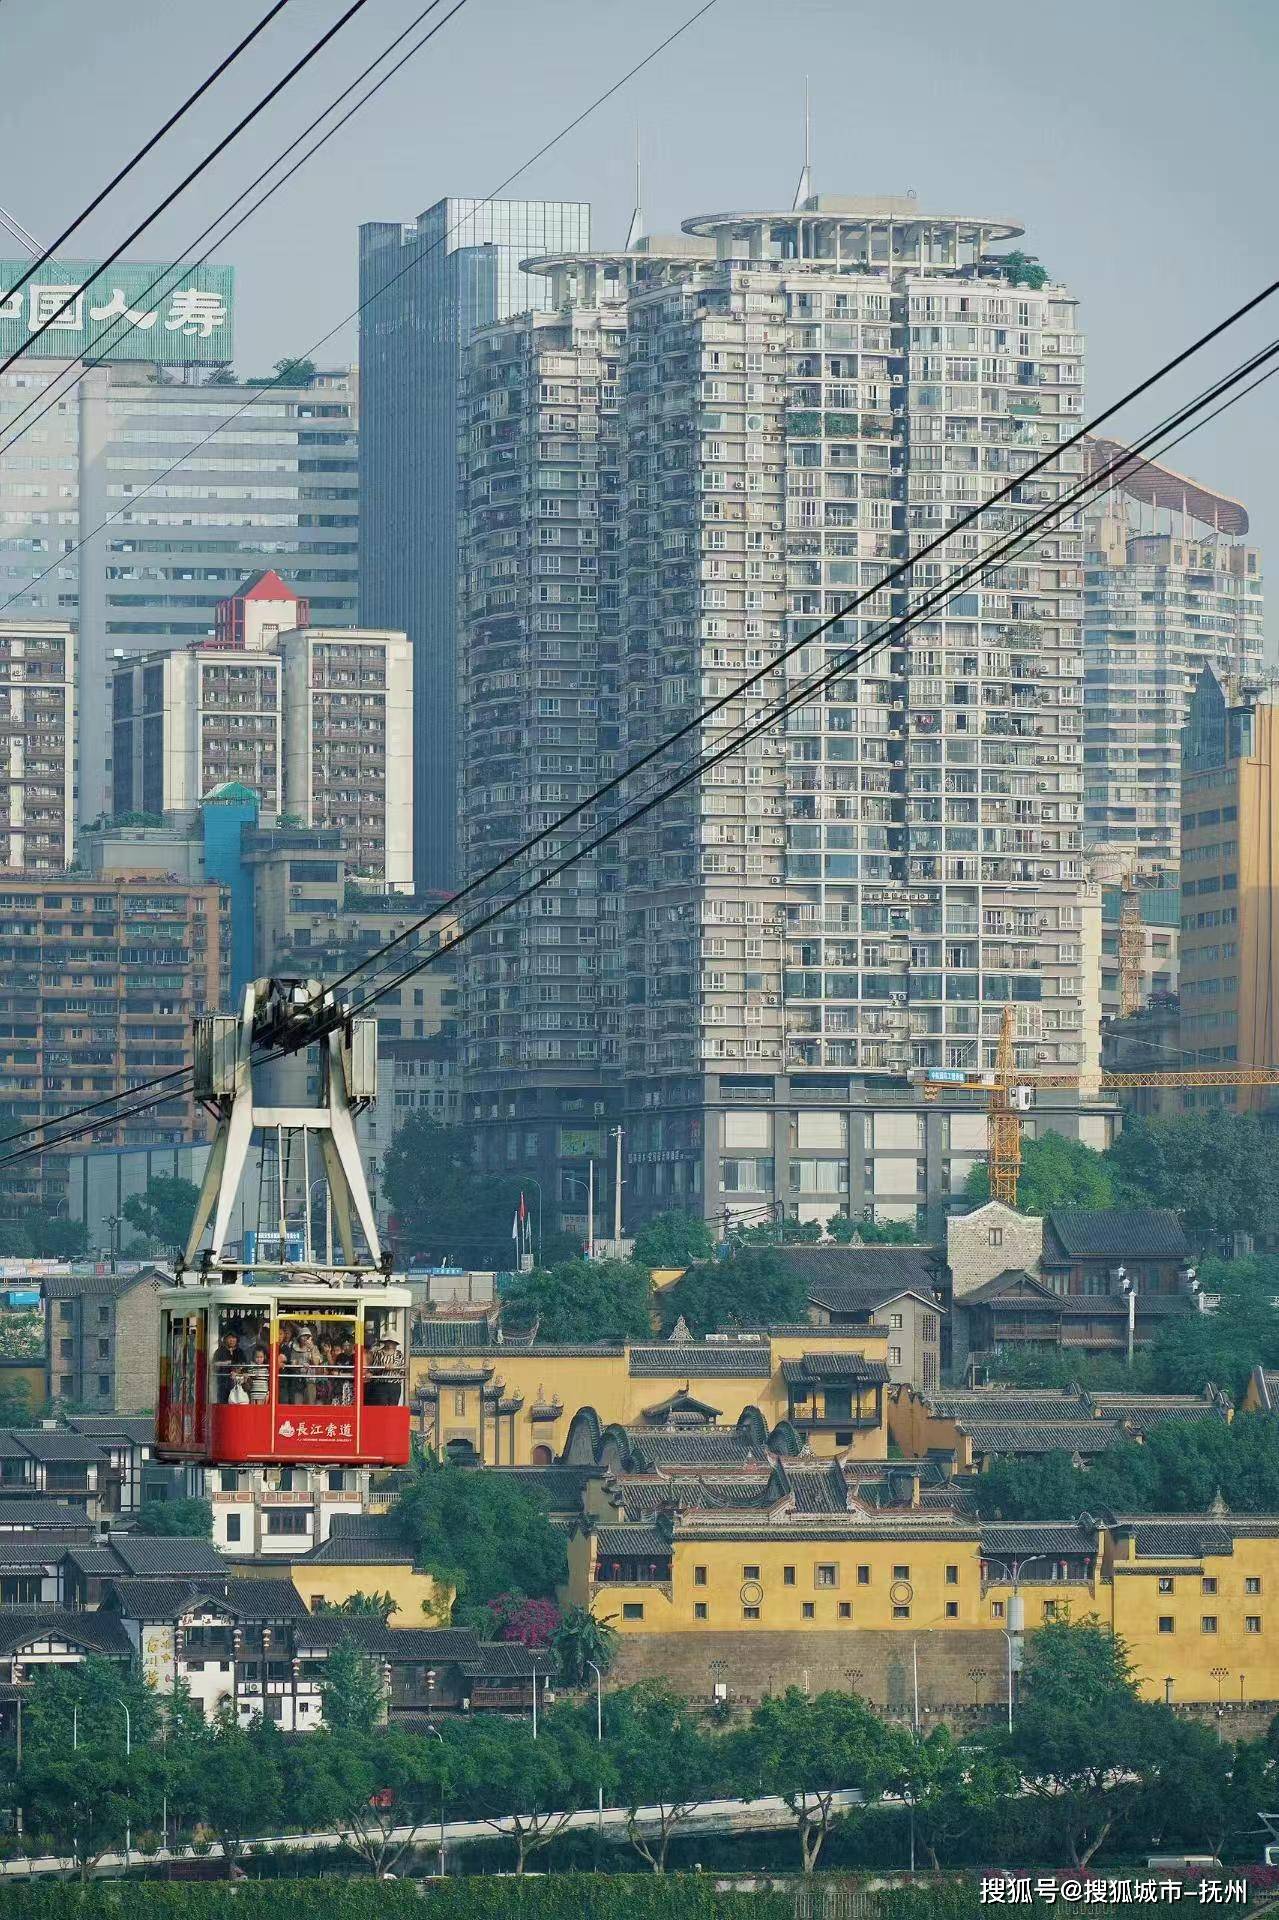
(167, 316)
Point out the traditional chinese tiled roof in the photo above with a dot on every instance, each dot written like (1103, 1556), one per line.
(243, 1599)
(1178, 1539)
(1119, 1233)
(51, 1443)
(632, 1543)
(138, 1429)
(506, 1660)
(162, 1556)
(558, 1488)
(1020, 1540)
(859, 1279)
(812, 1368)
(818, 1489)
(94, 1632)
(362, 1539)
(706, 1448)
(1022, 1436)
(100, 1286)
(33, 1549)
(702, 1360)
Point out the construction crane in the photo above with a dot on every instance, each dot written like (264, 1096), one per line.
(1132, 948)
(1010, 1094)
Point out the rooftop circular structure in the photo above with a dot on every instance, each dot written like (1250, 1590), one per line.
(878, 210)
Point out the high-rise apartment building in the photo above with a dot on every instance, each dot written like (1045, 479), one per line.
(1170, 588)
(1229, 984)
(81, 540)
(314, 721)
(100, 978)
(424, 289)
(37, 745)
(856, 895)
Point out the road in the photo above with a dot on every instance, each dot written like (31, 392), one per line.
(763, 1815)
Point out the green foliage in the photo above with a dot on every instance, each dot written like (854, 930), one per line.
(529, 1788)
(232, 1778)
(953, 1789)
(1178, 1469)
(351, 1690)
(782, 1232)
(163, 1214)
(664, 1759)
(181, 1519)
(691, 1896)
(1055, 1172)
(376, 1789)
(805, 1750)
(750, 1289)
(873, 1233)
(584, 1300)
(580, 1640)
(444, 1208)
(481, 1534)
(295, 372)
(360, 1606)
(1217, 1171)
(673, 1239)
(1021, 269)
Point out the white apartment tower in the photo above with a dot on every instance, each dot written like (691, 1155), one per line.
(37, 745)
(1170, 588)
(803, 404)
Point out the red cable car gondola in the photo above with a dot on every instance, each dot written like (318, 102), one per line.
(279, 1361)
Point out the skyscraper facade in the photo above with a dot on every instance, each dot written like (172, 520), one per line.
(857, 894)
(424, 289)
(1171, 588)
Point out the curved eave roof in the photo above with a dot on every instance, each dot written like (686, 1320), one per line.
(851, 213)
(1160, 486)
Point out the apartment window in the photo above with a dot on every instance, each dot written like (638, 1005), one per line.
(104, 1386)
(104, 1349)
(863, 1576)
(952, 1576)
(994, 1236)
(699, 1576)
(232, 1528)
(66, 1349)
(632, 1609)
(286, 1520)
(1208, 1624)
(64, 1383)
(1165, 1623)
(894, 1356)
(66, 1312)
(1252, 1584)
(788, 1576)
(336, 1479)
(901, 1613)
(750, 1573)
(845, 1609)
(896, 1321)
(901, 1573)
(1252, 1623)
(826, 1575)
(809, 1610)
(1166, 1584)
(228, 1479)
(700, 1610)
(750, 1613)
(104, 1316)
(1210, 1586)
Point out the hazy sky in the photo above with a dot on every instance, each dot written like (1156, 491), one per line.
(1135, 139)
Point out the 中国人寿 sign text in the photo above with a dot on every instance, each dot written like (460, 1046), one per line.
(168, 316)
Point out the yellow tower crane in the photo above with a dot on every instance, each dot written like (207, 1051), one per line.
(1010, 1094)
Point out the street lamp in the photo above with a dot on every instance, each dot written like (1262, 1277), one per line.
(128, 1754)
(1220, 1675)
(323, 1184)
(1014, 1570)
(568, 1173)
(599, 1735)
(113, 1231)
(535, 1182)
(976, 1675)
(434, 1731)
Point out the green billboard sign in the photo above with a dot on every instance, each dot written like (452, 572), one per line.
(168, 316)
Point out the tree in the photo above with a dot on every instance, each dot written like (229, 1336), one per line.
(1055, 1172)
(163, 1214)
(585, 1300)
(580, 1642)
(1179, 1468)
(527, 1788)
(751, 1289)
(444, 1208)
(1217, 1171)
(239, 1779)
(1083, 1741)
(378, 1788)
(176, 1519)
(843, 1229)
(1021, 269)
(295, 372)
(674, 1239)
(664, 1761)
(82, 1799)
(351, 1690)
(84, 1796)
(530, 1623)
(807, 1750)
(360, 1606)
(952, 1790)
(481, 1534)
(1203, 1791)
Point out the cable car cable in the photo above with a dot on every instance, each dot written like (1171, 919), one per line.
(52, 398)
(419, 254)
(995, 556)
(47, 254)
(214, 153)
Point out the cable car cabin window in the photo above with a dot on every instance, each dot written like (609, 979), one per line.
(181, 1408)
(242, 1358)
(317, 1357)
(383, 1356)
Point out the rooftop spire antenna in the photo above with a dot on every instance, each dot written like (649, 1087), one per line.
(635, 232)
(804, 190)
